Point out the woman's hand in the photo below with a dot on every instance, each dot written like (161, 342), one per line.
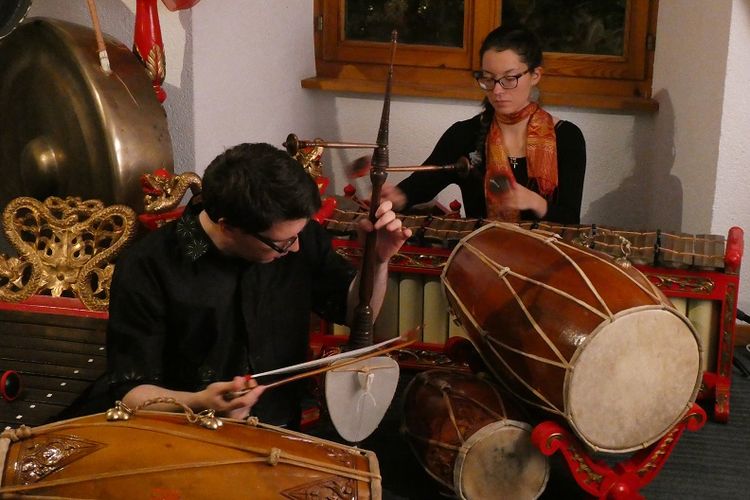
(361, 167)
(389, 192)
(518, 197)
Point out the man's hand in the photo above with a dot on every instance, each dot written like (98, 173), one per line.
(391, 233)
(232, 399)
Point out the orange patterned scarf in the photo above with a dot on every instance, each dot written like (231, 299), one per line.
(541, 158)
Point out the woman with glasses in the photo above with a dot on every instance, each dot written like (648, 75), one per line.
(527, 164)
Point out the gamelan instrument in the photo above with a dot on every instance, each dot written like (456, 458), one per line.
(570, 331)
(12, 12)
(76, 130)
(144, 454)
(470, 438)
(10, 385)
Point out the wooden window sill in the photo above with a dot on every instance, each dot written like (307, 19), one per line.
(442, 91)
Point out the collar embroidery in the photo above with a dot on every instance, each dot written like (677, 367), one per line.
(193, 240)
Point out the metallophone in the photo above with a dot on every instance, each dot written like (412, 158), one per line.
(699, 274)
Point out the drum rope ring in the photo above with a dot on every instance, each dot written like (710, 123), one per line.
(15, 435)
(273, 456)
(206, 418)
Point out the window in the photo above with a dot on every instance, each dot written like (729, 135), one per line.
(597, 54)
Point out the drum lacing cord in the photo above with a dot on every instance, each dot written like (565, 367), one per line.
(502, 271)
(447, 390)
(553, 238)
(273, 457)
(622, 270)
(15, 435)
(357, 475)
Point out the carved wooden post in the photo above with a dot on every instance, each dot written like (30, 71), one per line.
(148, 46)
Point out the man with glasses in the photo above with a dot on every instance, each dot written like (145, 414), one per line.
(227, 290)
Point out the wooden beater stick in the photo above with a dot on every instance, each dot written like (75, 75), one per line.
(101, 47)
(409, 337)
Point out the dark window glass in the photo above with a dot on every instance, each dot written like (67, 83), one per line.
(572, 26)
(419, 22)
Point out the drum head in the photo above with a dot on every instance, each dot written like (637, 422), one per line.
(633, 380)
(69, 129)
(499, 461)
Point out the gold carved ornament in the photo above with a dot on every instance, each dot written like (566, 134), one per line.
(310, 159)
(65, 248)
(163, 191)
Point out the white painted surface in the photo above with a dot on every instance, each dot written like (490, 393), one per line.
(234, 67)
(731, 205)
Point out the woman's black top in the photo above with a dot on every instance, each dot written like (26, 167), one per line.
(461, 140)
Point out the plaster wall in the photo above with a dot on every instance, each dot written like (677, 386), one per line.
(731, 203)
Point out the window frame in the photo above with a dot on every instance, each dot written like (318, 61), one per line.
(578, 80)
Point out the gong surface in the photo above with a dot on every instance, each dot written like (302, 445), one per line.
(69, 129)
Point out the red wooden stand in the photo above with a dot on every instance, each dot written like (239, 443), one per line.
(720, 286)
(624, 480)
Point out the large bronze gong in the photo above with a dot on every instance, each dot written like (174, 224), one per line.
(69, 129)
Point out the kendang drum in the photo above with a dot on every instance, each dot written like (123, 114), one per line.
(168, 455)
(572, 332)
(470, 438)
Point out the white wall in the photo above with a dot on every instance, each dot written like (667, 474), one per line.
(732, 201)
(234, 67)
(689, 71)
(249, 59)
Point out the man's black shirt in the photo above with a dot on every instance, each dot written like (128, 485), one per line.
(182, 315)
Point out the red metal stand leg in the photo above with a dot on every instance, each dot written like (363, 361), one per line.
(625, 480)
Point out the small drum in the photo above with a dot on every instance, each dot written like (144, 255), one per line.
(572, 332)
(467, 437)
(164, 455)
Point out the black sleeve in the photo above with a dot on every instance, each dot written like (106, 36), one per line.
(457, 141)
(136, 329)
(565, 206)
